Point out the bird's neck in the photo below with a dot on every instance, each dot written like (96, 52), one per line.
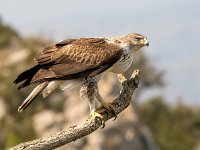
(120, 41)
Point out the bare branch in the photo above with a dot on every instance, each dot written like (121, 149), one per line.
(89, 126)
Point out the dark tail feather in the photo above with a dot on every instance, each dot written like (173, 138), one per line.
(27, 74)
(25, 83)
(38, 89)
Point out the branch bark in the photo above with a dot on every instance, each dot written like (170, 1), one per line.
(89, 126)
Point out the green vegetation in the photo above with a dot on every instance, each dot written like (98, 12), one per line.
(7, 34)
(175, 127)
(14, 127)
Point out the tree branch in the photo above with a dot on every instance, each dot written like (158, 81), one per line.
(89, 126)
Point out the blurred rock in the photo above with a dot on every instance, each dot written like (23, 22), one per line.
(47, 122)
(197, 147)
(13, 57)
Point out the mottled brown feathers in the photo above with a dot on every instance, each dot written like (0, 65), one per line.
(71, 59)
(90, 51)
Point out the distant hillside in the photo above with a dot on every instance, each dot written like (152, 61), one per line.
(6, 34)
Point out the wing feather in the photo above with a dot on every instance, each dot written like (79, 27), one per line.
(71, 59)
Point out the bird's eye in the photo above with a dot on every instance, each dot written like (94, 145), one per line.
(138, 38)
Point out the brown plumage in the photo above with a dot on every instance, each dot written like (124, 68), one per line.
(71, 59)
(75, 62)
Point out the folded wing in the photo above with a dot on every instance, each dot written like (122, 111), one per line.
(70, 59)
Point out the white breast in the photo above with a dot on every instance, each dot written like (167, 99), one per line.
(123, 64)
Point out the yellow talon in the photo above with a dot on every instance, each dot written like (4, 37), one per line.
(109, 108)
(121, 78)
(94, 115)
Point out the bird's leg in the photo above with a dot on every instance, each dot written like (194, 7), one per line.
(88, 90)
(95, 114)
(107, 106)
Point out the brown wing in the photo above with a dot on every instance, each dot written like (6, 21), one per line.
(76, 58)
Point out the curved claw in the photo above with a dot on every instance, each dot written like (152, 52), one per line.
(94, 115)
(110, 109)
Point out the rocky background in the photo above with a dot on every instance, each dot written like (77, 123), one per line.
(142, 126)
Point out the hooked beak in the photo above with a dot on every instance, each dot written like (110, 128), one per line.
(146, 42)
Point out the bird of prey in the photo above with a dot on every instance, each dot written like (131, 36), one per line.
(81, 61)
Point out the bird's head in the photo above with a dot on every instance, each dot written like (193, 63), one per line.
(136, 41)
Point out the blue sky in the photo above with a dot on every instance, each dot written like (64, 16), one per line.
(173, 29)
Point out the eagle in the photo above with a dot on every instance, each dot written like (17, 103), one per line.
(80, 62)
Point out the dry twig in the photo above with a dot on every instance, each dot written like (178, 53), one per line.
(89, 126)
